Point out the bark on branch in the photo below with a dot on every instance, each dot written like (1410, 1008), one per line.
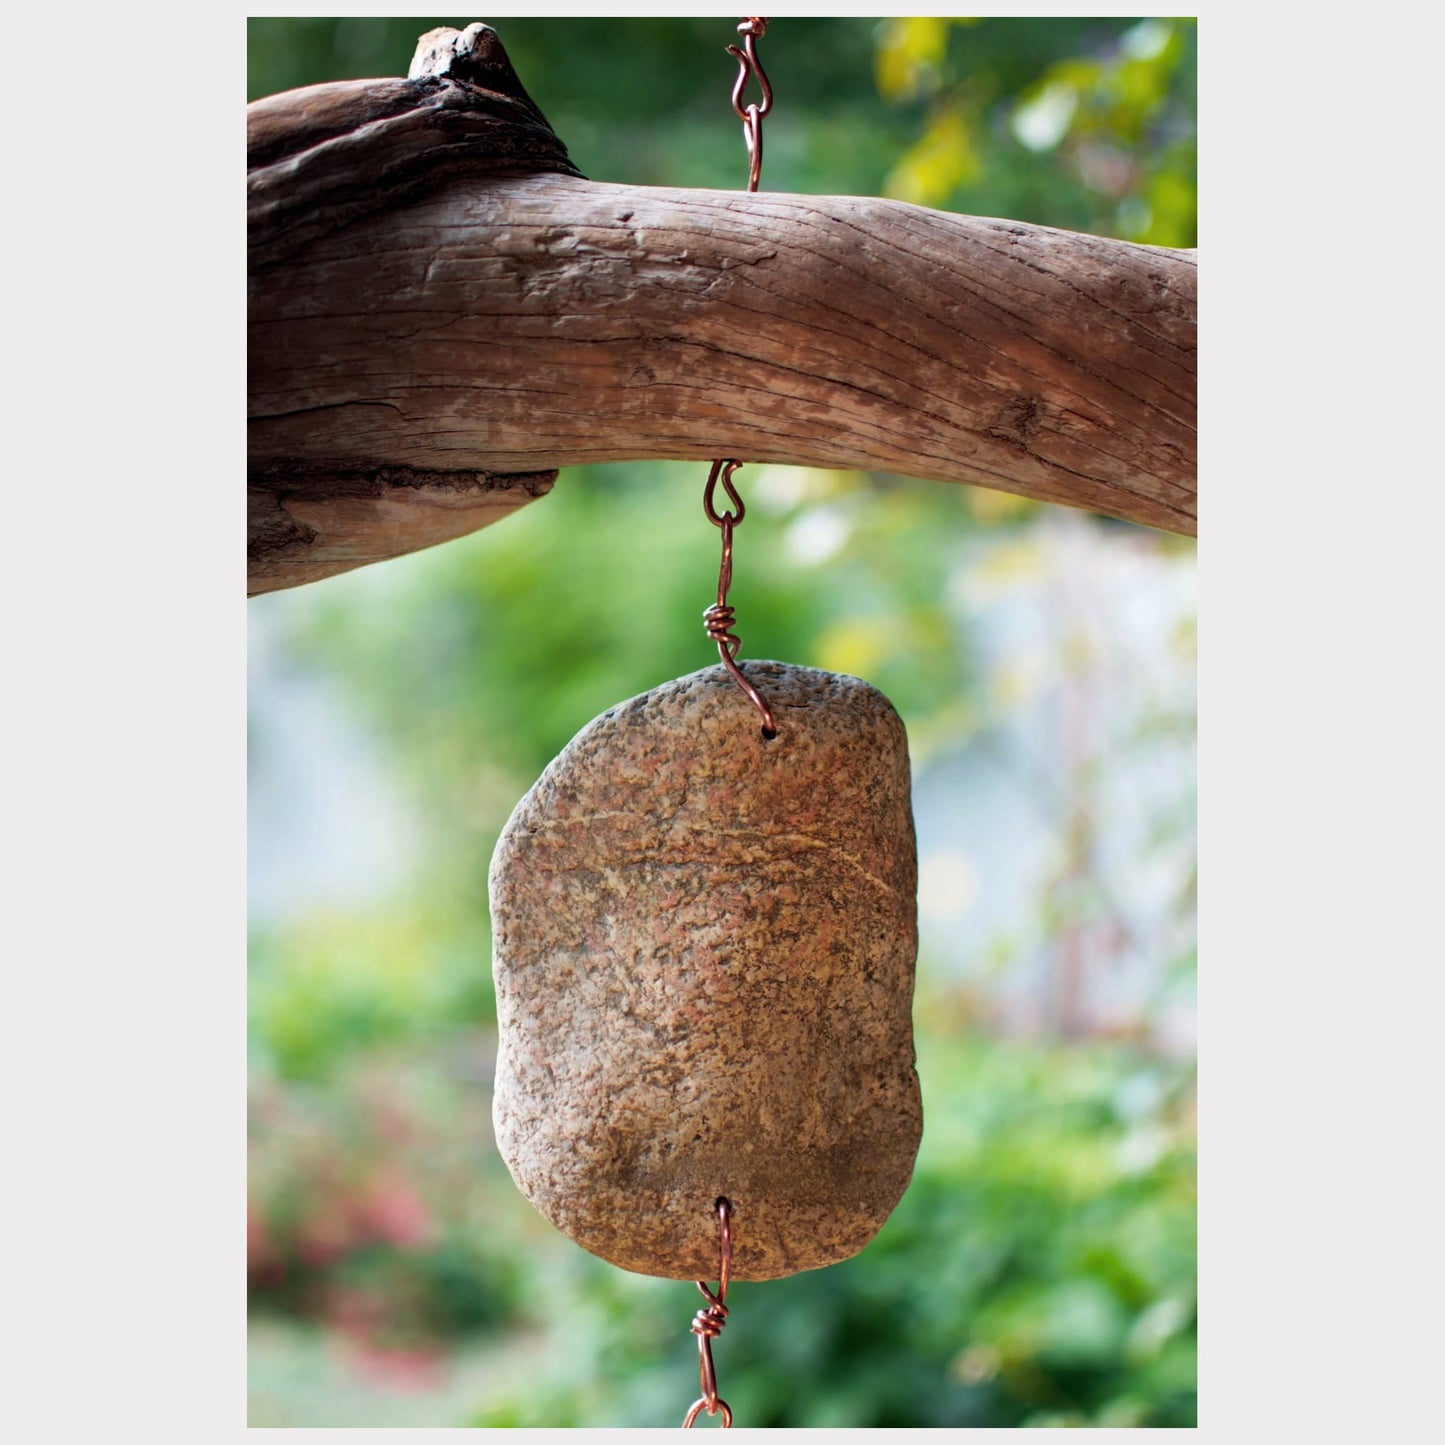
(443, 312)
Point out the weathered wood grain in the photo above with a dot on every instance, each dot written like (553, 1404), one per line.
(473, 330)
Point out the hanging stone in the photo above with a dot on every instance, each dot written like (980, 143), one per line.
(703, 949)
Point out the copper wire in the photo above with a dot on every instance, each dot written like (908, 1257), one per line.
(707, 1325)
(720, 617)
(752, 30)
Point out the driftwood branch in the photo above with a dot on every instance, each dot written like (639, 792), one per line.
(443, 312)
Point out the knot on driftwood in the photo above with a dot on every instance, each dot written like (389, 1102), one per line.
(474, 54)
(324, 156)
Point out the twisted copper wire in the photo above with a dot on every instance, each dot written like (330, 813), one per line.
(719, 621)
(710, 1321)
(719, 618)
(707, 1325)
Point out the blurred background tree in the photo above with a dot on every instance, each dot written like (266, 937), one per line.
(1040, 1270)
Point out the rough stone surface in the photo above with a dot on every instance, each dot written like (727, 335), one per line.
(703, 948)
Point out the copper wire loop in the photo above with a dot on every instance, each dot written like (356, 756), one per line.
(718, 619)
(690, 1418)
(723, 471)
(752, 30)
(707, 1325)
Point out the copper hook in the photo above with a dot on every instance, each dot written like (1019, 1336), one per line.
(752, 30)
(720, 617)
(723, 470)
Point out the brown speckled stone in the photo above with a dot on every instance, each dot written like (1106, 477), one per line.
(703, 950)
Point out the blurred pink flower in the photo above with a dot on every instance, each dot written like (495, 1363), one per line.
(409, 1371)
(325, 1236)
(264, 1260)
(393, 1212)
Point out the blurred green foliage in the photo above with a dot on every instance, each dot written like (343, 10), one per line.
(1083, 123)
(1040, 1269)
(1059, 122)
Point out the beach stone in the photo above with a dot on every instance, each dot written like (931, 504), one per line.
(703, 946)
